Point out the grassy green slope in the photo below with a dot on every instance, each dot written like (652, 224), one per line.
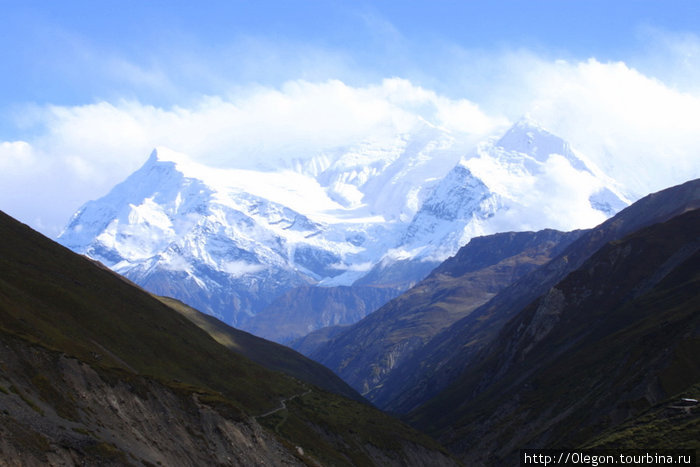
(268, 354)
(54, 297)
(68, 305)
(661, 425)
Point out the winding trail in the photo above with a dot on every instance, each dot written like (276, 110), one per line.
(283, 404)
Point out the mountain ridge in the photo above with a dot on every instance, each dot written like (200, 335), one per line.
(437, 363)
(365, 353)
(98, 371)
(379, 213)
(614, 337)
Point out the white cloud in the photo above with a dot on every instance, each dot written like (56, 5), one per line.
(87, 149)
(241, 268)
(641, 129)
(258, 125)
(641, 132)
(359, 267)
(555, 196)
(562, 194)
(15, 155)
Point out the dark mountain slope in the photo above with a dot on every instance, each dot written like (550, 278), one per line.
(58, 410)
(97, 371)
(616, 336)
(368, 351)
(672, 422)
(438, 363)
(311, 342)
(269, 354)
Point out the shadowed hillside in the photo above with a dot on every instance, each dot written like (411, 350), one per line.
(268, 354)
(442, 360)
(366, 353)
(618, 336)
(97, 371)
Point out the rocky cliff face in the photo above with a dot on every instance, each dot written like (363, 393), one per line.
(57, 410)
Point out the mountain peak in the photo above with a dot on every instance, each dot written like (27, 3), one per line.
(528, 136)
(164, 155)
(528, 121)
(254, 235)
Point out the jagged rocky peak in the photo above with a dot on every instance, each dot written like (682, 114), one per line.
(530, 139)
(164, 154)
(164, 171)
(141, 216)
(459, 185)
(455, 211)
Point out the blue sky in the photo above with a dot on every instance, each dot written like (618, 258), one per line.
(89, 86)
(161, 52)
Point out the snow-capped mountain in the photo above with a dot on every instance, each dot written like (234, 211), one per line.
(528, 179)
(379, 213)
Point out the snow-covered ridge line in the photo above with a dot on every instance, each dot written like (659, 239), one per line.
(380, 213)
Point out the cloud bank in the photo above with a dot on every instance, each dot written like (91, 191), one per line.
(78, 153)
(640, 130)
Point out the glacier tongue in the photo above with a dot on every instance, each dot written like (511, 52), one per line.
(377, 214)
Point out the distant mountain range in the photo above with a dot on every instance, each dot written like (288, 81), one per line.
(348, 229)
